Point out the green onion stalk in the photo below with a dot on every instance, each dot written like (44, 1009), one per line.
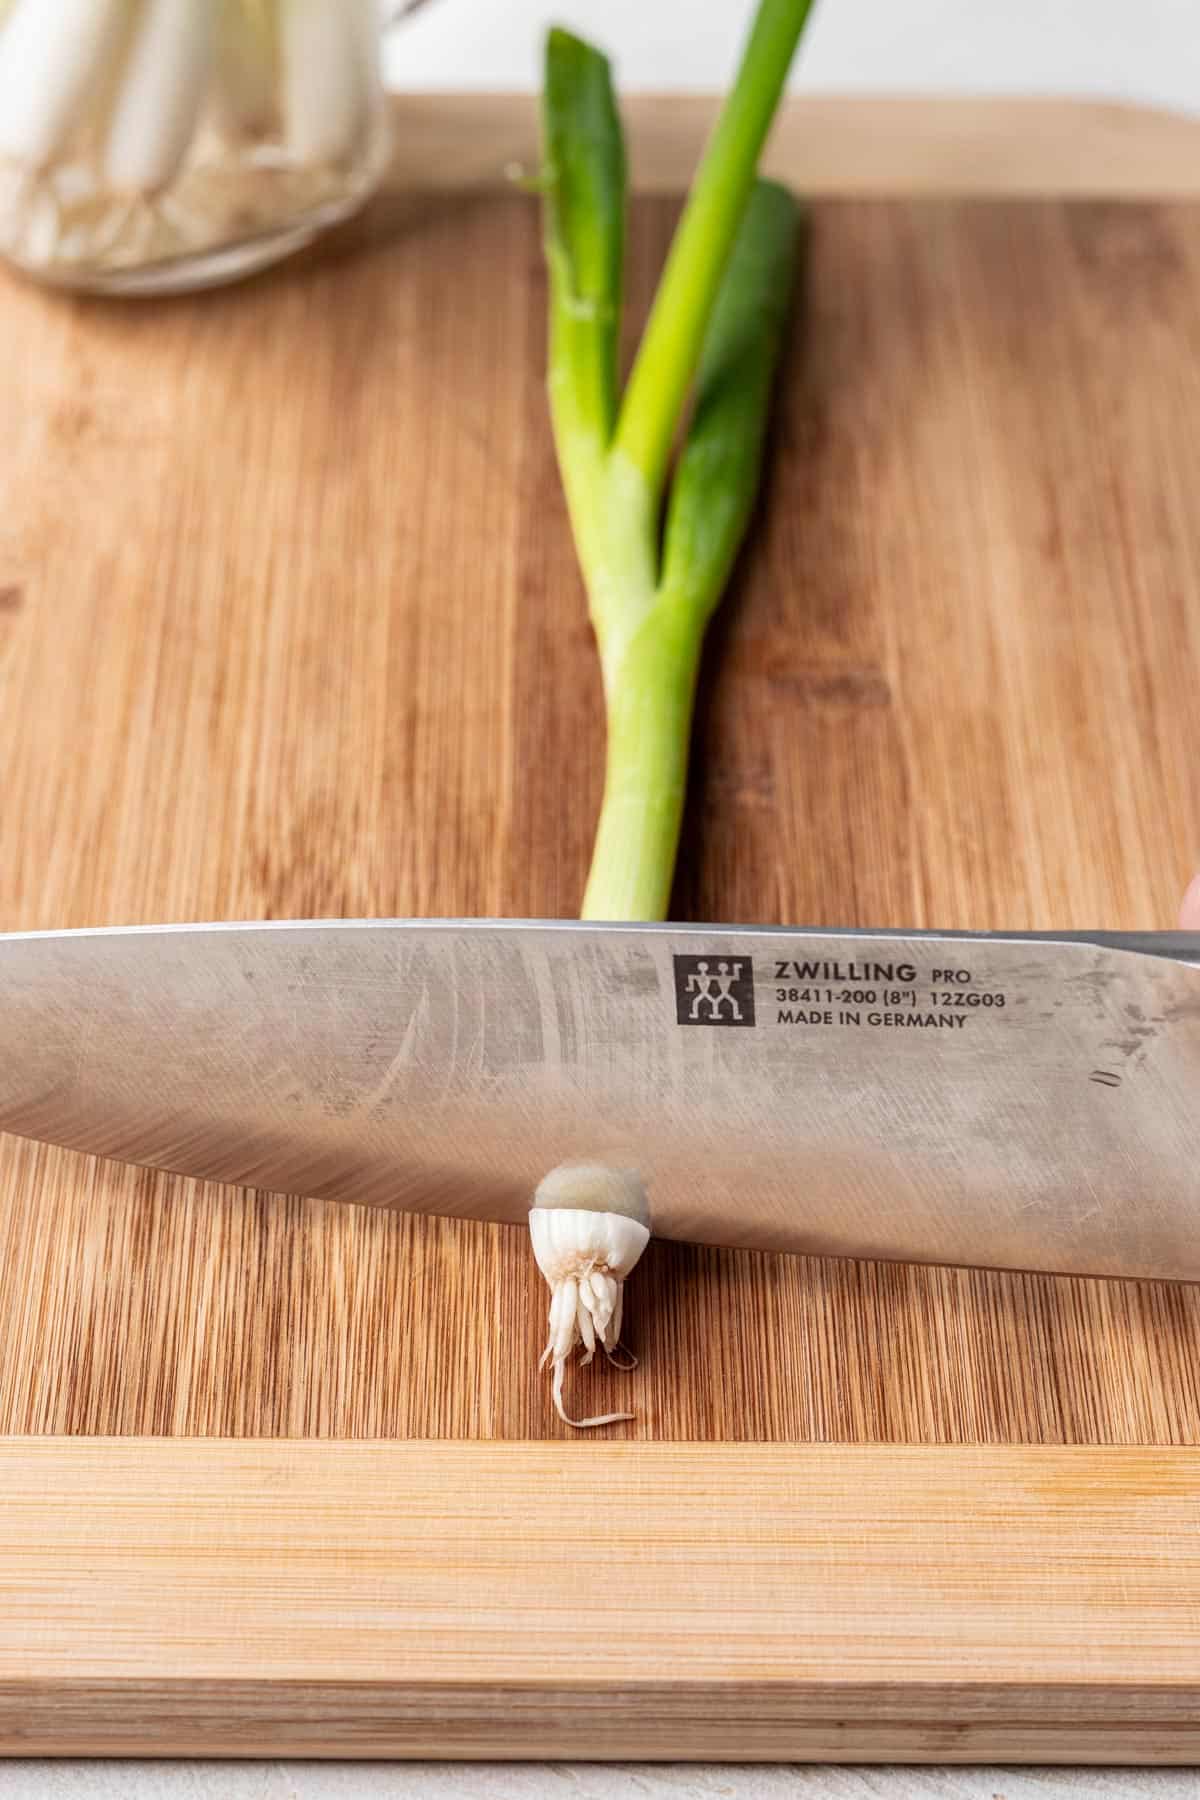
(656, 535)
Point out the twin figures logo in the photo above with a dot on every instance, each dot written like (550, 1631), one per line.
(714, 990)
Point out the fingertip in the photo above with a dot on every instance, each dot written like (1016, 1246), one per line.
(1189, 912)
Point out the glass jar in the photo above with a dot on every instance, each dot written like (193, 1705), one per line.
(154, 146)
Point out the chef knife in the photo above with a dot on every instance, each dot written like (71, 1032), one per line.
(1007, 1100)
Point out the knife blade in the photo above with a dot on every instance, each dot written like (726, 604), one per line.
(1016, 1101)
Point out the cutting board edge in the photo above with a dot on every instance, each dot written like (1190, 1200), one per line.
(734, 1724)
(815, 1603)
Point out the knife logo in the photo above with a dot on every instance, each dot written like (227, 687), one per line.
(714, 990)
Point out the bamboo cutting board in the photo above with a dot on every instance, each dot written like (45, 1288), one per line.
(290, 626)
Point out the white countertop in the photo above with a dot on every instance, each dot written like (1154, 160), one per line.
(574, 1781)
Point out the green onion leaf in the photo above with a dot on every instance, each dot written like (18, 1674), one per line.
(718, 321)
(670, 349)
(585, 238)
(716, 481)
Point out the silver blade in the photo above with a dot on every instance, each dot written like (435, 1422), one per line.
(1017, 1102)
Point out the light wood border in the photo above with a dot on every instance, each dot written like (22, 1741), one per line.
(838, 144)
(187, 1597)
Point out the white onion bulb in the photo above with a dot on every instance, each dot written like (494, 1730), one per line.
(324, 78)
(589, 1225)
(54, 56)
(165, 80)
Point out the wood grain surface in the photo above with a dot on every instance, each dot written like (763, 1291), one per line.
(290, 626)
(673, 1601)
(873, 144)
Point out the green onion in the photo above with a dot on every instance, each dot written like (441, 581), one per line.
(54, 59)
(157, 109)
(656, 547)
(325, 98)
(137, 131)
(656, 553)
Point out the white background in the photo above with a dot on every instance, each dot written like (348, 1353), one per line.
(1147, 50)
